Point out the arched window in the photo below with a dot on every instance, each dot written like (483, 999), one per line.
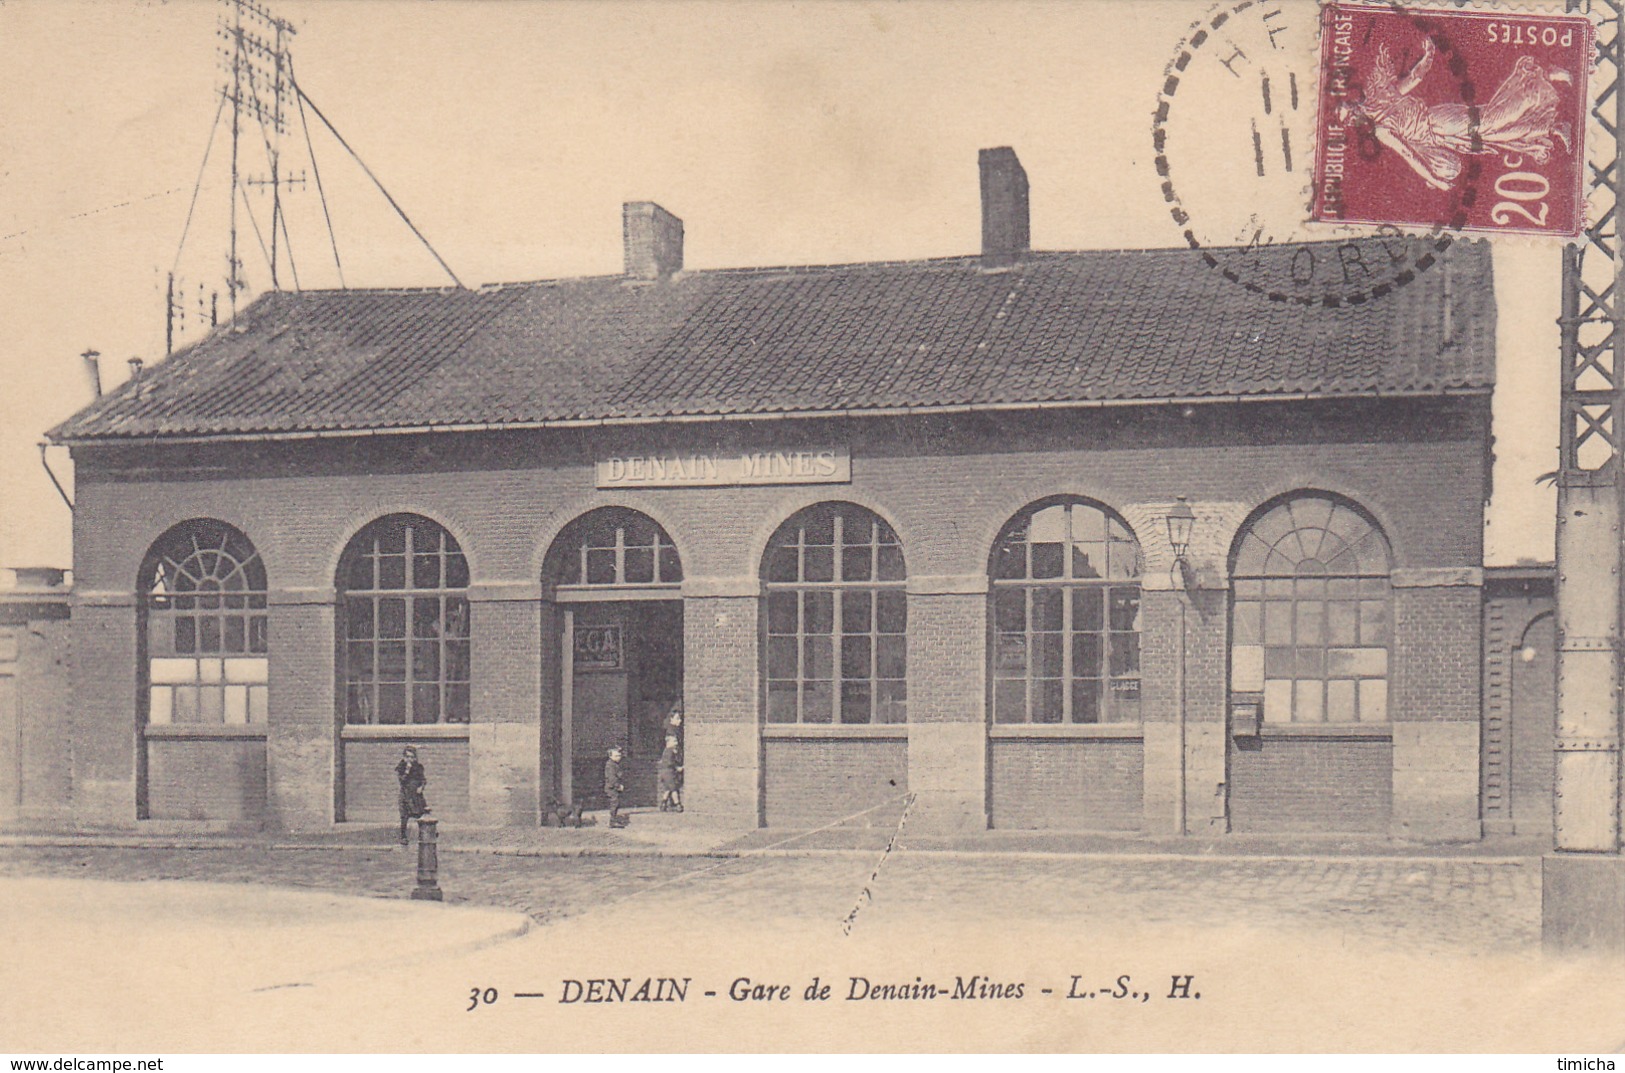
(1066, 617)
(1311, 612)
(403, 606)
(204, 620)
(837, 619)
(614, 547)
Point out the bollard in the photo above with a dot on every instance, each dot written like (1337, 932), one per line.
(428, 888)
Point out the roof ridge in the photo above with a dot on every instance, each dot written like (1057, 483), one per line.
(815, 267)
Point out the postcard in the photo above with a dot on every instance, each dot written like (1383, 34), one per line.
(819, 527)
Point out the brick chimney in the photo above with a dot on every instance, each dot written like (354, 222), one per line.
(652, 239)
(1005, 232)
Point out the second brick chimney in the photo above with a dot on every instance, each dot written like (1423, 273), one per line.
(652, 240)
(1005, 232)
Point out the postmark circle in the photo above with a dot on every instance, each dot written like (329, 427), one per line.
(1271, 258)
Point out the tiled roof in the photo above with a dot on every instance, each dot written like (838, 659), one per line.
(1086, 327)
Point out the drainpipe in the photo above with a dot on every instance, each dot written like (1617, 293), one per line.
(46, 462)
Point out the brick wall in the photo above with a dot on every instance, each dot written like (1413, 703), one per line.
(814, 781)
(1201, 617)
(372, 793)
(1310, 785)
(506, 683)
(216, 780)
(1435, 705)
(947, 747)
(946, 484)
(947, 653)
(1435, 655)
(302, 756)
(1082, 785)
(721, 750)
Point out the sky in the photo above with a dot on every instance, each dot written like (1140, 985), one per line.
(510, 133)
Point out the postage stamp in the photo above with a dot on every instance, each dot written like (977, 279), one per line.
(1416, 105)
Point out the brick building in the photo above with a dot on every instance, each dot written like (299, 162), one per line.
(879, 528)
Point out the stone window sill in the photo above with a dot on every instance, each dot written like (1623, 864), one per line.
(828, 730)
(196, 731)
(1040, 731)
(404, 732)
(1329, 731)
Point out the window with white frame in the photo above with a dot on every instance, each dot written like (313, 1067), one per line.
(1066, 617)
(837, 619)
(1311, 612)
(404, 624)
(203, 609)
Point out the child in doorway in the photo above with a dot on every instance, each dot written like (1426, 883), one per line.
(674, 723)
(670, 772)
(614, 787)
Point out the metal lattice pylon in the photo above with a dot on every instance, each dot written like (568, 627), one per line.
(1591, 485)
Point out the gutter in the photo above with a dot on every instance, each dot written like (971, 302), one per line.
(690, 419)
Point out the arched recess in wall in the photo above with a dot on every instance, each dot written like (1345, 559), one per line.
(203, 648)
(405, 666)
(1065, 622)
(836, 611)
(1312, 611)
(403, 621)
(1530, 760)
(612, 606)
(1310, 744)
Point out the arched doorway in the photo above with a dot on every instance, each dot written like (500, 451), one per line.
(613, 582)
(1534, 699)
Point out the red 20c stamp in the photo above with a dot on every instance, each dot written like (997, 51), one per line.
(1451, 119)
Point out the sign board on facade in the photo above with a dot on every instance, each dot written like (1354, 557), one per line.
(692, 469)
(598, 648)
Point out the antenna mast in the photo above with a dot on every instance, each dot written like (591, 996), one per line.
(255, 63)
(259, 82)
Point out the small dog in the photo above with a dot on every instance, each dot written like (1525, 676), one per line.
(566, 814)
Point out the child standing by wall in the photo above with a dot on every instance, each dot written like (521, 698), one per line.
(670, 774)
(412, 778)
(614, 786)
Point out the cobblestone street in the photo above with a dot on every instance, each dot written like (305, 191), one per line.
(1287, 952)
(1459, 905)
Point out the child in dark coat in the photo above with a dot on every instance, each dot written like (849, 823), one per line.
(670, 772)
(614, 786)
(409, 773)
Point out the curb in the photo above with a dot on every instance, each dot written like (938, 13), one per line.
(740, 853)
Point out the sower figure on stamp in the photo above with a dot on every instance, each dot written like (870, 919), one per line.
(409, 773)
(670, 773)
(1521, 118)
(614, 786)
